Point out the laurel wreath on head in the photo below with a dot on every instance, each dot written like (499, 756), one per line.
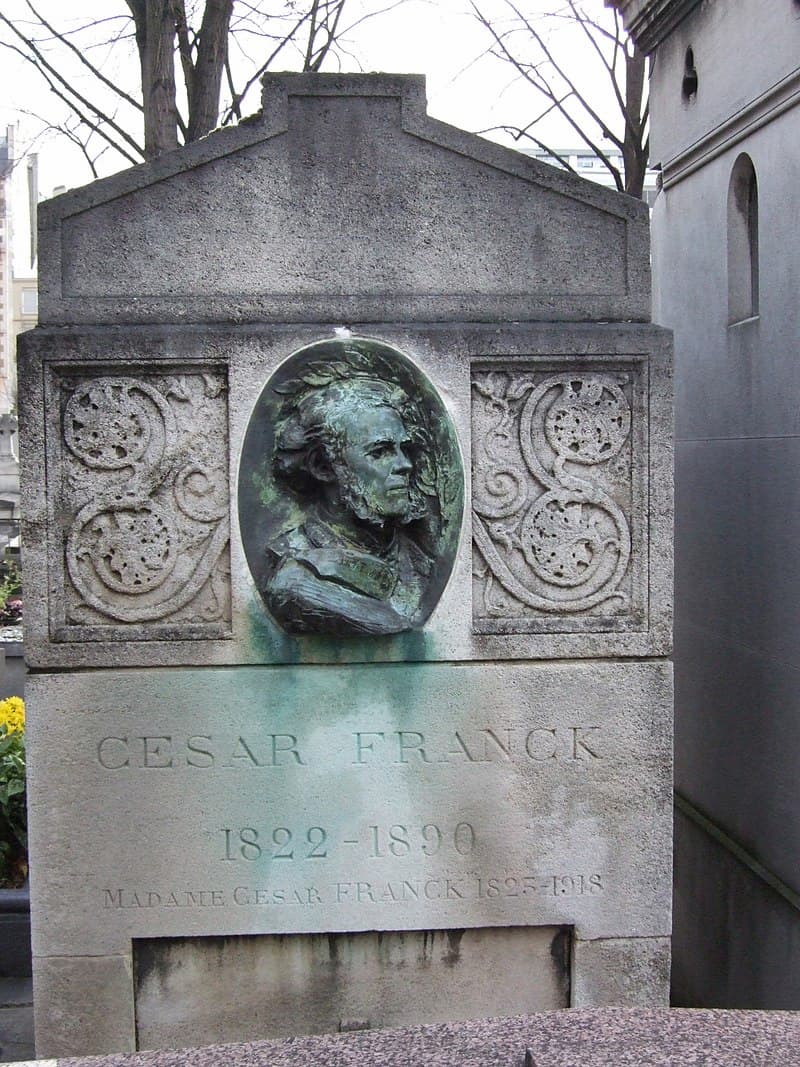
(356, 364)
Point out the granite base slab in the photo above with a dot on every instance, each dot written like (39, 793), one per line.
(591, 1037)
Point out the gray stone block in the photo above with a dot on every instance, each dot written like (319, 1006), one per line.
(83, 1005)
(399, 797)
(625, 1037)
(342, 201)
(621, 972)
(16, 1019)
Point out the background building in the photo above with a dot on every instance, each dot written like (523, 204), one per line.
(18, 310)
(589, 165)
(19, 195)
(726, 270)
(6, 165)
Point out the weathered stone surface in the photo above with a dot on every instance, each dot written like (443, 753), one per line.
(374, 798)
(404, 797)
(82, 1003)
(559, 497)
(141, 501)
(649, 22)
(198, 990)
(16, 1018)
(342, 201)
(621, 972)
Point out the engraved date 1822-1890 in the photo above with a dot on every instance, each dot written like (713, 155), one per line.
(250, 843)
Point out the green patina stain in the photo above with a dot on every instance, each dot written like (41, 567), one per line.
(269, 645)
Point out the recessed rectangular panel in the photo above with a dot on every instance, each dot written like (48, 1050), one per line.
(137, 459)
(559, 495)
(201, 991)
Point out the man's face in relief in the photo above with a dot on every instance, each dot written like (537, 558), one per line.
(373, 468)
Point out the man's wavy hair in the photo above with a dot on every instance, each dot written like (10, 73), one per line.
(308, 427)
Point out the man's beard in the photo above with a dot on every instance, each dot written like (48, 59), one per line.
(367, 506)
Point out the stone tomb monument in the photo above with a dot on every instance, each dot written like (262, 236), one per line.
(348, 556)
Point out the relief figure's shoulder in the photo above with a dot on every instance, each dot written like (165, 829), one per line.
(328, 588)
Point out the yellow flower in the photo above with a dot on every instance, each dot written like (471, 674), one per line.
(12, 714)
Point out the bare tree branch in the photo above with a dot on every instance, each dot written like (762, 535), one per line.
(212, 53)
(184, 43)
(84, 119)
(81, 143)
(630, 104)
(533, 76)
(236, 110)
(332, 13)
(518, 135)
(262, 69)
(74, 100)
(371, 15)
(64, 39)
(559, 69)
(312, 32)
(183, 49)
(555, 77)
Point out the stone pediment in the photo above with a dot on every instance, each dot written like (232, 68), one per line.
(343, 201)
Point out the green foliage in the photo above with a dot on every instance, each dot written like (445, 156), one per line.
(13, 812)
(10, 589)
(9, 581)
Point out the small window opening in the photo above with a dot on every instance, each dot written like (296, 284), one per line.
(742, 241)
(30, 302)
(690, 82)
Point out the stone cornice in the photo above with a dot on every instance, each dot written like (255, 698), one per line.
(649, 22)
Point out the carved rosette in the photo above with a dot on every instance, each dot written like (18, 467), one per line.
(553, 501)
(145, 504)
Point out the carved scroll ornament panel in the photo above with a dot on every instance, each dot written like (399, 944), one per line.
(142, 504)
(559, 502)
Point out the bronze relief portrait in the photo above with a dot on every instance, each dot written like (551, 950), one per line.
(350, 491)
